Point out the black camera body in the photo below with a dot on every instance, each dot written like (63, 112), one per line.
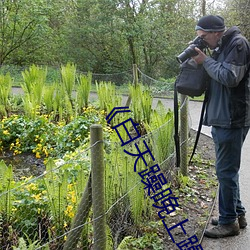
(190, 51)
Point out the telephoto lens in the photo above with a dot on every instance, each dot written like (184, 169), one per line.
(190, 50)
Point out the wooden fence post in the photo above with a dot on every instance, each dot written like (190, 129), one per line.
(135, 82)
(98, 194)
(135, 74)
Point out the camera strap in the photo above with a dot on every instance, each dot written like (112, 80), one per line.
(176, 126)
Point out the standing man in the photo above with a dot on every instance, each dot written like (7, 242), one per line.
(228, 112)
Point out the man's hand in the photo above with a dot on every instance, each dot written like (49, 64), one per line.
(200, 58)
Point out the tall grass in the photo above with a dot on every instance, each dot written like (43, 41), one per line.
(5, 90)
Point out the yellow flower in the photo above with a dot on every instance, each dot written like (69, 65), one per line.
(103, 112)
(38, 155)
(6, 132)
(73, 199)
(14, 209)
(69, 211)
(45, 151)
(16, 152)
(31, 187)
(37, 196)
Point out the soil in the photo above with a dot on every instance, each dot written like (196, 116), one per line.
(25, 164)
(196, 199)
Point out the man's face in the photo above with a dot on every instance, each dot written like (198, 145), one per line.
(211, 38)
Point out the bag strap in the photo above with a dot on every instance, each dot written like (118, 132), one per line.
(176, 126)
(199, 127)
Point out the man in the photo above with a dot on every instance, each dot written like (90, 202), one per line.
(228, 112)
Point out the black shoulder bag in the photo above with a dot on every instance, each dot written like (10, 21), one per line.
(191, 81)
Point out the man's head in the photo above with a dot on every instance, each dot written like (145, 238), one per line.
(211, 29)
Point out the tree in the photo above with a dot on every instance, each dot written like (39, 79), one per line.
(20, 22)
(237, 13)
(109, 36)
(102, 36)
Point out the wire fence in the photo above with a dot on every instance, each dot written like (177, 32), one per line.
(57, 209)
(158, 87)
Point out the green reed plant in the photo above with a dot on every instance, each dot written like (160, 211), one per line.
(58, 102)
(6, 184)
(121, 180)
(161, 129)
(56, 184)
(107, 96)
(48, 98)
(62, 106)
(33, 85)
(137, 198)
(68, 74)
(141, 103)
(5, 90)
(83, 91)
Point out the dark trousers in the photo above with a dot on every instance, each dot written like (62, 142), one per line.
(228, 145)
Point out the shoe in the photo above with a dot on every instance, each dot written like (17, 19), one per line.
(221, 230)
(241, 219)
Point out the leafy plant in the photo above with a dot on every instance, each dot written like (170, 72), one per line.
(5, 90)
(30, 208)
(22, 245)
(149, 241)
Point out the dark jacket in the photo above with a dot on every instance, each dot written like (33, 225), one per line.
(229, 90)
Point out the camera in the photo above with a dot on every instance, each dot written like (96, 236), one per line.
(190, 51)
